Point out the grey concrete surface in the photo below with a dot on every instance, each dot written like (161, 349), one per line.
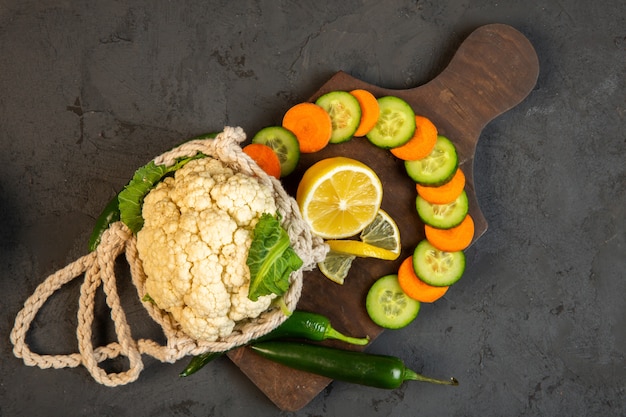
(90, 90)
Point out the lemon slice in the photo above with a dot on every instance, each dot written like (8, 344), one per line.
(383, 232)
(361, 249)
(336, 266)
(339, 196)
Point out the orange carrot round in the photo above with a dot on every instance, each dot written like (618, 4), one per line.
(311, 125)
(446, 193)
(265, 157)
(369, 111)
(422, 142)
(454, 239)
(415, 287)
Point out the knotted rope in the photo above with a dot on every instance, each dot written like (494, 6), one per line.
(98, 270)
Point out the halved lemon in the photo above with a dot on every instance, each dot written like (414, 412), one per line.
(383, 232)
(336, 266)
(339, 196)
(361, 249)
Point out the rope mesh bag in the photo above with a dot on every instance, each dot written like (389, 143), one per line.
(98, 269)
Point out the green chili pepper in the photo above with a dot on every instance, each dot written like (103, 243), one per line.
(362, 368)
(198, 362)
(311, 326)
(300, 324)
(109, 215)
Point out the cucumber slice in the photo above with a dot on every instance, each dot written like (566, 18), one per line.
(435, 267)
(345, 114)
(443, 216)
(438, 167)
(284, 143)
(396, 123)
(388, 306)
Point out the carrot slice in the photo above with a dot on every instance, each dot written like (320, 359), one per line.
(265, 157)
(311, 125)
(454, 239)
(414, 287)
(369, 111)
(422, 142)
(446, 193)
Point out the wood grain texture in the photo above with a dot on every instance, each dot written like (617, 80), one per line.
(493, 70)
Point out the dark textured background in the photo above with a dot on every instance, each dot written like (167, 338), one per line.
(537, 327)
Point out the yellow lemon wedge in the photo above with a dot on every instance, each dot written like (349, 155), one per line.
(336, 266)
(361, 249)
(381, 240)
(383, 232)
(339, 196)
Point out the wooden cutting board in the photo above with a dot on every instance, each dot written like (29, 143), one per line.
(493, 70)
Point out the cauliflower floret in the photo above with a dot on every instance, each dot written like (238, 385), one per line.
(234, 256)
(216, 228)
(204, 328)
(191, 192)
(194, 244)
(229, 194)
(243, 307)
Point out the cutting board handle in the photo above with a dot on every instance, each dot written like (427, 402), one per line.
(493, 70)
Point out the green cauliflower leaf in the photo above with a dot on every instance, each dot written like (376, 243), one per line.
(131, 197)
(271, 259)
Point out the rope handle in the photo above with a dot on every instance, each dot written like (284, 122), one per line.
(98, 268)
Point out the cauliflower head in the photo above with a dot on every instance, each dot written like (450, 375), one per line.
(194, 244)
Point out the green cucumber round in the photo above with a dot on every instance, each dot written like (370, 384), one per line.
(284, 143)
(438, 167)
(435, 267)
(443, 216)
(395, 125)
(388, 306)
(345, 114)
